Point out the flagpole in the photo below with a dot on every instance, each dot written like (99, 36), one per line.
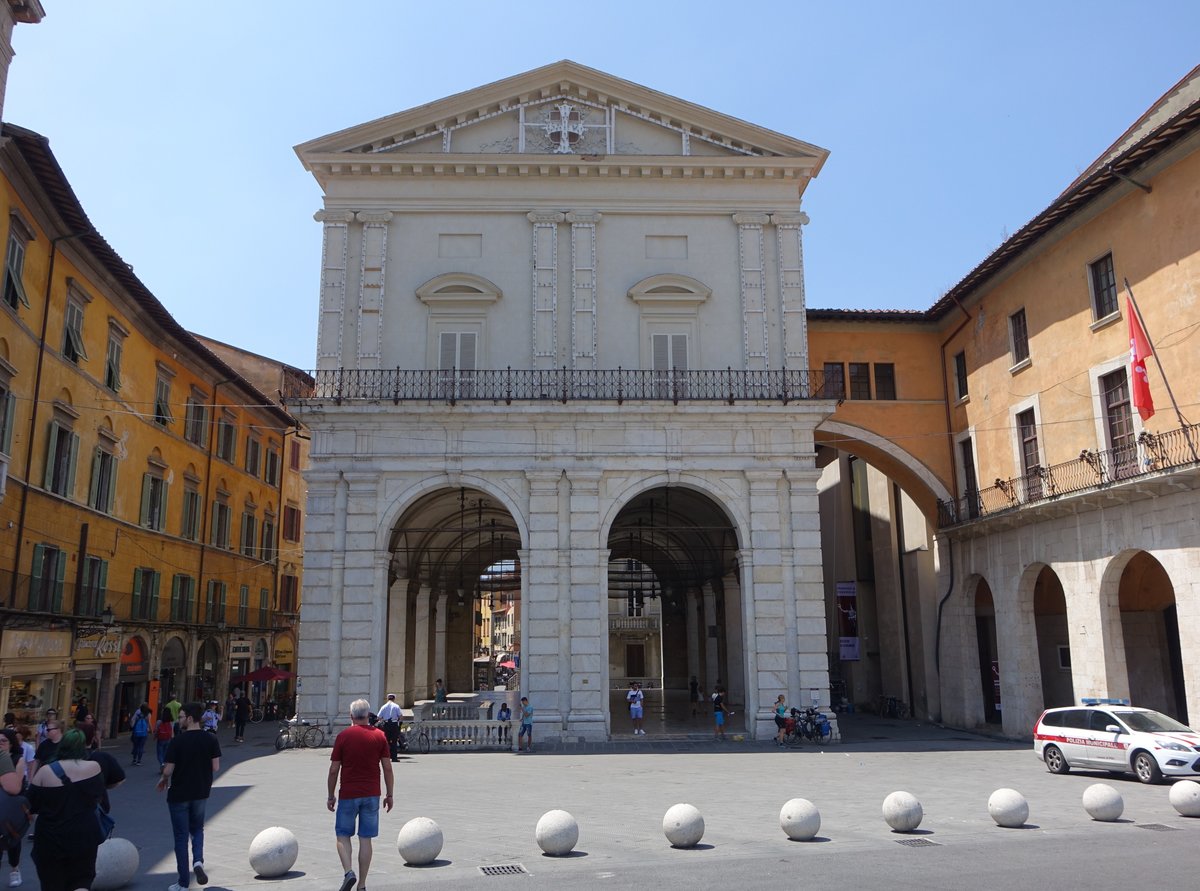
(1166, 383)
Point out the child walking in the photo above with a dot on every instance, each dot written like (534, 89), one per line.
(526, 726)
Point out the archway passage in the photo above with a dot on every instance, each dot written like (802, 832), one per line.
(454, 604)
(1150, 628)
(674, 612)
(1054, 651)
(989, 653)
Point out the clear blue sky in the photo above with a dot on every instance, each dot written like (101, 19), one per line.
(950, 124)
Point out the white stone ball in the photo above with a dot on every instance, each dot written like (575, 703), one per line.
(116, 864)
(419, 841)
(557, 833)
(902, 811)
(1185, 798)
(273, 852)
(1103, 802)
(683, 826)
(1008, 808)
(800, 819)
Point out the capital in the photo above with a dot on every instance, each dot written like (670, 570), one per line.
(334, 216)
(751, 219)
(375, 216)
(538, 216)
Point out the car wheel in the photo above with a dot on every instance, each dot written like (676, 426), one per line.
(1055, 762)
(1146, 768)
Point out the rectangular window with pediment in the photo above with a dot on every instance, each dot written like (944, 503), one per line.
(46, 578)
(183, 598)
(253, 456)
(267, 548)
(112, 357)
(227, 438)
(162, 399)
(89, 600)
(19, 235)
(189, 526)
(195, 419)
(271, 466)
(219, 531)
(102, 492)
(144, 605)
(249, 530)
(154, 500)
(62, 451)
(72, 348)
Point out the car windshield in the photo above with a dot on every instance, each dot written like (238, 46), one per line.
(1152, 722)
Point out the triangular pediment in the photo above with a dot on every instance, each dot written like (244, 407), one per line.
(562, 110)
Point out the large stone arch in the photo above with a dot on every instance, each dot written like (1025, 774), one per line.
(394, 508)
(725, 496)
(915, 476)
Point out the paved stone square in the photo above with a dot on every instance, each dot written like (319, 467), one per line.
(487, 805)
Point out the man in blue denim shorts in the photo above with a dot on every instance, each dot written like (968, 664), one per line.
(359, 752)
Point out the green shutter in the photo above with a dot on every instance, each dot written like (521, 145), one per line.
(102, 587)
(59, 573)
(94, 486)
(35, 575)
(162, 507)
(6, 423)
(144, 516)
(72, 455)
(136, 602)
(175, 595)
(152, 612)
(50, 449)
(112, 486)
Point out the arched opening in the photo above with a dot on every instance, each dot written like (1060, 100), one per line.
(1054, 650)
(989, 653)
(674, 611)
(1150, 630)
(207, 660)
(173, 671)
(454, 597)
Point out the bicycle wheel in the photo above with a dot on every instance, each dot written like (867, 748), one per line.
(313, 737)
(423, 742)
(256, 716)
(282, 740)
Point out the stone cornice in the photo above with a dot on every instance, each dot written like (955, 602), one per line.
(684, 167)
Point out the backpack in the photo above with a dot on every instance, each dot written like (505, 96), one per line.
(141, 727)
(164, 731)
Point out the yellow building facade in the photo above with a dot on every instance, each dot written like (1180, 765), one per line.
(148, 549)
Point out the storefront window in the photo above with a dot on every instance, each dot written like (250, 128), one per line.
(29, 697)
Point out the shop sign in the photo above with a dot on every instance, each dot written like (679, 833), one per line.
(240, 649)
(133, 658)
(847, 606)
(103, 646)
(20, 644)
(284, 651)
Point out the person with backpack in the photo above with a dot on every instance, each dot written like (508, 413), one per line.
(139, 730)
(164, 730)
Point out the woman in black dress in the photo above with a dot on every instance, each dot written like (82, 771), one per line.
(64, 794)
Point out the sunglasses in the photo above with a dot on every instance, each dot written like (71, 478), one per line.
(52, 727)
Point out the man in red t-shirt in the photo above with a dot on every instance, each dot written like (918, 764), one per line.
(358, 754)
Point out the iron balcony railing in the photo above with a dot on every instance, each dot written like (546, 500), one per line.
(1152, 453)
(563, 385)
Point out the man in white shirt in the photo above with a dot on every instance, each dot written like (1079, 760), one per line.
(635, 697)
(389, 717)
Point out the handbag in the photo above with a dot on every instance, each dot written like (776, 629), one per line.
(103, 819)
(14, 819)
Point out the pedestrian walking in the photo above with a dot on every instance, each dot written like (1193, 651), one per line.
(211, 718)
(230, 708)
(526, 726)
(241, 714)
(174, 705)
(164, 732)
(139, 732)
(193, 758)
(635, 697)
(64, 795)
(780, 718)
(694, 694)
(360, 752)
(11, 750)
(51, 717)
(389, 717)
(718, 701)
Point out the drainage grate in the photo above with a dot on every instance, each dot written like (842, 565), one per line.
(917, 843)
(1157, 827)
(504, 869)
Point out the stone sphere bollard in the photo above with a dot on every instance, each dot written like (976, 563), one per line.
(902, 811)
(116, 864)
(419, 841)
(1008, 808)
(683, 826)
(557, 833)
(273, 852)
(1103, 802)
(800, 820)
(1185, 798)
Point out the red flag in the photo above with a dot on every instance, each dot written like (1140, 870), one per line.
(1139, 352)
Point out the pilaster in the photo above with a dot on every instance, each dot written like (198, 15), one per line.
(545, 287)
(371, 286)
(584, 320)
(334, 246)
(752, 287)
(793, 318)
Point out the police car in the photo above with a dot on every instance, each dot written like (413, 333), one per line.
(1109, 734)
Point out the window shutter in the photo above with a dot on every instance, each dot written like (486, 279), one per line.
(679, 357)
(101, 586)
(144, 515)
(35, 576)
(447, 350)
(660, 348)
(6, 422)
(466, 351)
(51, 448)
(175, 596)
(112, 486)
(94, 486)
(162, 506)
(60, 572)
(152, 611)
(135, 606)
(72, 455)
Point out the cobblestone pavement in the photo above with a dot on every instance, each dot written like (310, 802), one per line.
(487, 805)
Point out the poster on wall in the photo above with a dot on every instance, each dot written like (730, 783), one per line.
(847, 607)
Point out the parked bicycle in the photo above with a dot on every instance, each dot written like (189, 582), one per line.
(809, 725)
(415, 736)
(256, 715)
(891, 707)
(298, 734)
